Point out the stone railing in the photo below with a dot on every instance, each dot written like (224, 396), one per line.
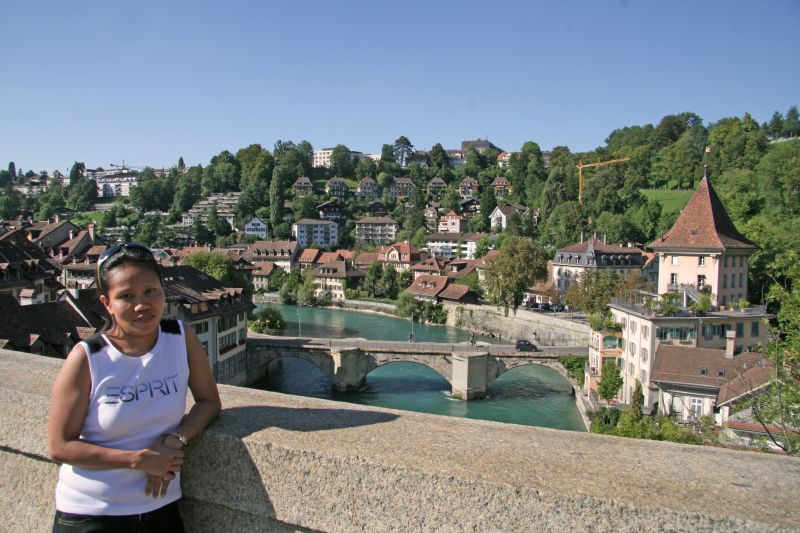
(283, 463)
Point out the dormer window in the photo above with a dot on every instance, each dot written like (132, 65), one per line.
(703, 371)
(721, 373)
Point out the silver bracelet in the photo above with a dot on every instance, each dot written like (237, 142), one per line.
(178, 436)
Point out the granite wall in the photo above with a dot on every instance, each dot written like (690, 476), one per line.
(273, 462)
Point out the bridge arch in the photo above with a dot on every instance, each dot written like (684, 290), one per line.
(319, 358)
(497, 366)
(441, 365)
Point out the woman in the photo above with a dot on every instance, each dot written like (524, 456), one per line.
(117, 410)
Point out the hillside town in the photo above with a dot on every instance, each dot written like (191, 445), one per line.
(676, 333)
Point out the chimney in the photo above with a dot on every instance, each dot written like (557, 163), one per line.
(581, 236)
(605, 238)
(91, 228)
(71, 234)
(730, 342)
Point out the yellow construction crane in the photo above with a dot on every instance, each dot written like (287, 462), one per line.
(581, 166)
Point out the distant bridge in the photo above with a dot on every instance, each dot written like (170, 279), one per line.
(469, 369)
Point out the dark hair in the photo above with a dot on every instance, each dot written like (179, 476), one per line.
(123, 254)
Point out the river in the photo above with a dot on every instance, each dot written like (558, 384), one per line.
(531, 395)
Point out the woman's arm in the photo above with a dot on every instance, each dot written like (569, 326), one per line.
(204, 391)
(69, 405)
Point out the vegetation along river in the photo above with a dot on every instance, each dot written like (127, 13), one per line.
(531, 395)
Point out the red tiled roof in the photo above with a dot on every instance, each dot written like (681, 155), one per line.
(309, 255)
(429, 265)
(704, 224)
(428, 285)
(685, 365)
(327, 257)
(365, 259)
(752, 378)
(264, 268)
(454, 291)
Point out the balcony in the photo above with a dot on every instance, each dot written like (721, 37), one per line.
(275, 462)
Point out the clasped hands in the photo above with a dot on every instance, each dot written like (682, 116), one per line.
(161, 461)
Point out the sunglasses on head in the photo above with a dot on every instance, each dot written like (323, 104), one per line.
(111, 251)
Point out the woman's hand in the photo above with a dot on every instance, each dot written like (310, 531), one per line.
(160, 462)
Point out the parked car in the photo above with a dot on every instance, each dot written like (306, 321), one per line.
(558, 308)
(524, 345)
(531, 305)
(545, 307)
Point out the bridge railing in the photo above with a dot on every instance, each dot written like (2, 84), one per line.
(401, 346)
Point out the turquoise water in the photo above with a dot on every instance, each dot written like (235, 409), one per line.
(531, 395)
(341, 324)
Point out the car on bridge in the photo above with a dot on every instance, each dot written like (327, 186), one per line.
(524, 345)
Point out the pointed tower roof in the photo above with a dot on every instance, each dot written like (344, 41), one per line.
(703, 224)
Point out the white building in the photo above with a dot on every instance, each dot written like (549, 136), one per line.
(117, 184)
(453, 245)
(322, 158)
(309, 232)
(256, 228)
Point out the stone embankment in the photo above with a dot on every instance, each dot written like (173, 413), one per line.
(275, 462)
(541, 328)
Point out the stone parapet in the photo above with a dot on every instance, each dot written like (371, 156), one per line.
(273, 462)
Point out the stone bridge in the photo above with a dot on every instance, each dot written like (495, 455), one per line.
(347, 362)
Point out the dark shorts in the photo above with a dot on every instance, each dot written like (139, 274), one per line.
(167, 519)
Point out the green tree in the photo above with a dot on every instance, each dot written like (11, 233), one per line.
(451, 199)
(148, 230)
(288, 292)
(222, 174)
(217, 266)
(266, 318)
(81, 194)
(610, 381)
(76, 172)
(791, 124)
(775, 127)
(306, 292)
(735, 143)
(482, 246)
(593, 290)
(12, 170)
(680, 163)
(403, 151)
(488, 204)
(366, 167)
(372, 279)
(637, 400)
(341, 161)
(388, 284)
(282, 176)
(777, 405)
(9, 205)
(440, 162)
(520, 264)
(181, 164)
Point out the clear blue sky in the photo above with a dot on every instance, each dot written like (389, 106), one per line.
(148, 81)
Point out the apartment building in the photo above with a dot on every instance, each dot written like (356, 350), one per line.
(376, 230)
(309, 232)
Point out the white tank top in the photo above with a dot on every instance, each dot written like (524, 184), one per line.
(133, 401)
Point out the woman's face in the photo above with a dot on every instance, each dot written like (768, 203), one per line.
(134, 298)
